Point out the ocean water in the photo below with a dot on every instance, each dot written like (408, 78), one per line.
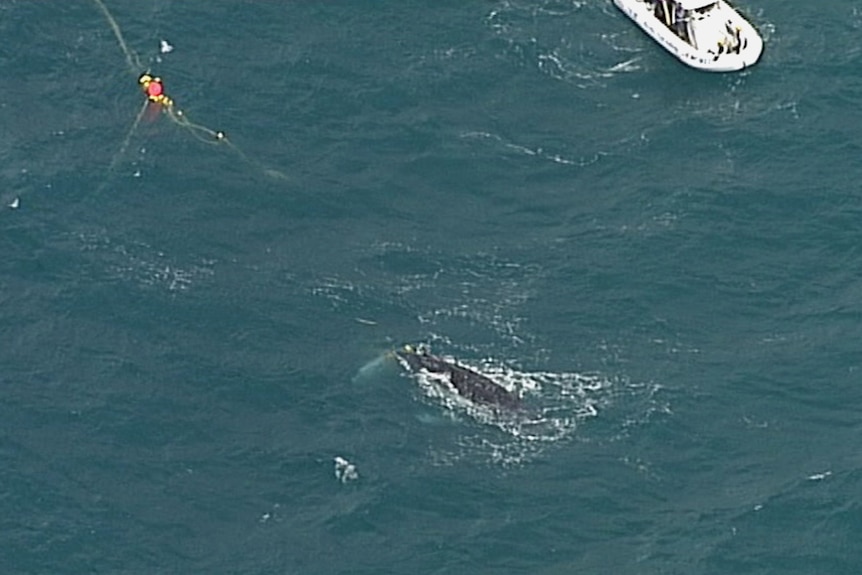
(196, 371)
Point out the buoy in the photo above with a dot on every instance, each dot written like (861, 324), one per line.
(154, 89)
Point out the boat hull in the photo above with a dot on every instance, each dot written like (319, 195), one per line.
(706, 51)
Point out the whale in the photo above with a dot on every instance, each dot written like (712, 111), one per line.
(466, 382)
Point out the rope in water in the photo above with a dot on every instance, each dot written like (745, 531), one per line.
(154, 90)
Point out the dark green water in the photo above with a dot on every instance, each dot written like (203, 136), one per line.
(667, 262)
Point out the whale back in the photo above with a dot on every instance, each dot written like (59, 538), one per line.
(467, 382)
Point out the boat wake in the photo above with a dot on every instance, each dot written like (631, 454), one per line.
(572, 50)
(555, 153)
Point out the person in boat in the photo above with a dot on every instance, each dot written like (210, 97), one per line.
(678, 13)
(672, 15)
(734, 41)
(680, 22)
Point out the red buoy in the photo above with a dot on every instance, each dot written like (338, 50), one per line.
(154, 89)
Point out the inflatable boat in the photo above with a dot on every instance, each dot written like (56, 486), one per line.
(704, 34)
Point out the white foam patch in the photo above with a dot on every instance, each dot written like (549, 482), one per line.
(344, 470)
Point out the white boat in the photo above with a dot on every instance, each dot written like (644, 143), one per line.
(705, 34)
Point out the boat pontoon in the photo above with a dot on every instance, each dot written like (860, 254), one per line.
(705, 34)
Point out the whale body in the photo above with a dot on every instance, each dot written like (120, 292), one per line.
(466, 382)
